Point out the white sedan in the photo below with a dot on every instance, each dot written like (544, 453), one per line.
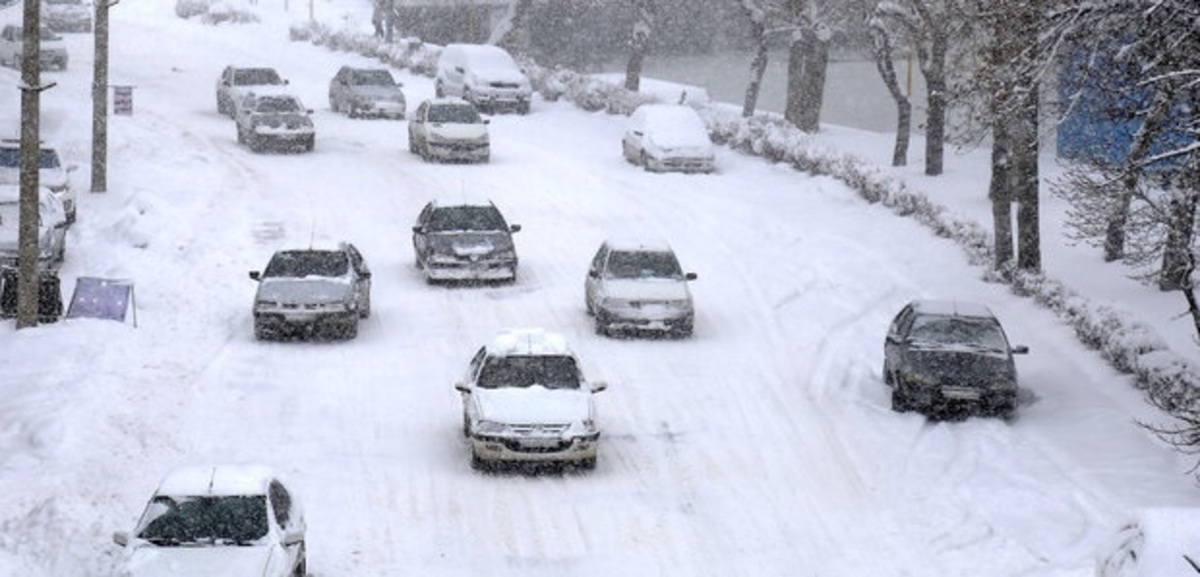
(231, 520)
(668, 138)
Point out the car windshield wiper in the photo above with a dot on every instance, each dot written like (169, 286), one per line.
(163, 541)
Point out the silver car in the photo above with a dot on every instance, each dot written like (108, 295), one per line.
(52, 227)
(449, 129)
(275, 121)
(52, 173)
(312, 292)
(464, 241)
(236, 82)
(636, 285)
(366, 92)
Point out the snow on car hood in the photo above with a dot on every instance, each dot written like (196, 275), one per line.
(534, 405)
(647, 289)
(229, 561)
(502, 74)
(304, 291)
(456, 131)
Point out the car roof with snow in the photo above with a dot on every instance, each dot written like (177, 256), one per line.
(216, 480)
(528, 341)
(952, 308)
(637, 244)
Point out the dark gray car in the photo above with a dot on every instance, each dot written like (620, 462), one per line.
(947, 358)
(312, 292)
(464, 242)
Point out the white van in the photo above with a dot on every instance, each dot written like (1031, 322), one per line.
(483, 75)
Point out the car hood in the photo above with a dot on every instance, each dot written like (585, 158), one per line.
(647, 289)
(455, 131)
(305, 291)
(231, 561)
(533, 405)
(469, 243)
(963, 365)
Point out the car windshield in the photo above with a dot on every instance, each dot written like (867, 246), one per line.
(300, 264)
(11, 158)
(643, 264)
(276, 104)
(225, 520)
(958, 331)
(454, 113)
(372, 78)
(256, 76)
(460, 218)
(520, 371)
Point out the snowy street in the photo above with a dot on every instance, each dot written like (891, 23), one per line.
(764, 445)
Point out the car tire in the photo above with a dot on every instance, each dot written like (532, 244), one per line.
(900, 401)
(588, 464)
(350, 332)
(466, 426)
(301, 569)
(479, 463)
(602, 327)
(261, 333)
(365, 311)
(311, 144)
(523, 108)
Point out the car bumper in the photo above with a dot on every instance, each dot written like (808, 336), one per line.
(488, 99)
(304, 322)
(459, 151)
(676, 164)
(512, 449)
(661, 320)
(951, 400)
(471, 270)
(392, 110)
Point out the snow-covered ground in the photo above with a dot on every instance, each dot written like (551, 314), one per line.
(764, 445)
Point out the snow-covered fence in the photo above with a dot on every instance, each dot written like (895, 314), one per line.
(1127, 344)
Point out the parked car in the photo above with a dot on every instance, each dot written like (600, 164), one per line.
(52, 48)
(230, 520)
(366, 92)
(636, 284)
(275, 122)
(236, 82)
(526, 400)
(52, 227)
(67, 15)
(668, 137)
(449, 129)
(1155, 542)
(317, 292)
(464, 241)
(52, 173)
(948, 358)
(484, 75)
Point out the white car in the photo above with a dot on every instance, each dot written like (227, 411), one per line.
(52, 173)
(236, 82)
(229, 520)
(525, 400)
(484, 75)
(638, 285)
(52, 51)
(52, 227)
(668, 138)
(449, 129)
(1156, 542)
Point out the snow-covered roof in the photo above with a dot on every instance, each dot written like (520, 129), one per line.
(528, 341)
(952, 308)
(216, 480)
(638, 244)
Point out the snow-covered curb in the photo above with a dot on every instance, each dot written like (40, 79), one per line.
(1129, 346)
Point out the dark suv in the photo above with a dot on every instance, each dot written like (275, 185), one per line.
(465, 242)
(312, 292)
(948, 358)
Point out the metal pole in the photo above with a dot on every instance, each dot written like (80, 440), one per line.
(27, 232)
(100, 99)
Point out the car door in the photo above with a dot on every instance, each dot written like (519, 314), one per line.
(591, 286)
(362, 277)
(631, 141)
(470, 408)
(289, 518)
(416, 126)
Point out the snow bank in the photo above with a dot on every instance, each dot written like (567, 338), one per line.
(1128, 345)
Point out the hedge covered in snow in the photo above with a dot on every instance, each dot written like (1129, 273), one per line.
(1128, 345)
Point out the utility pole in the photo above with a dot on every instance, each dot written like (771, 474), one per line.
(100, 98)
(28, 283)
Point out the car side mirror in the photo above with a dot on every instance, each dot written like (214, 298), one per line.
(255, 275)
(417, 229)
(121, 538)
(309, 111)
(293, 537)
(1019, 350)
(599, 386)
(637, 133)
(593, 273)
(462, 388)
(515, 228)
(459, 69)
(690, 276)
(366, 274)
(487, 120)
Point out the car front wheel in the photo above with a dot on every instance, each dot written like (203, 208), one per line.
(900, 401)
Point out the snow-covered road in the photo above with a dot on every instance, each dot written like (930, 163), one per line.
(764, 445)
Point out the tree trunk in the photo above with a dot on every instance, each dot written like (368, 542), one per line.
(999, 193)
(1114, 238)
(639, 44)
(27, 209)
(1177, 253)
(815, 66)
(882, 50)
(758, 66)
(793, 108)
(1028, 179)
(935, 121)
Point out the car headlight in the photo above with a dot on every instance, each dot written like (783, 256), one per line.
(490, 428)
(919, 380)
(614, 303)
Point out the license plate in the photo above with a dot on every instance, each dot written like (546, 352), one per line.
(539, 443)
(961, 394)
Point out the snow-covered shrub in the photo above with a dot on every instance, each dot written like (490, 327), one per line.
(214, 11)
(189, 8)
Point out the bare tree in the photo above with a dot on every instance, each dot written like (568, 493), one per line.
(758, 66)
(639, 42)
(884, 54)
(512, 33)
